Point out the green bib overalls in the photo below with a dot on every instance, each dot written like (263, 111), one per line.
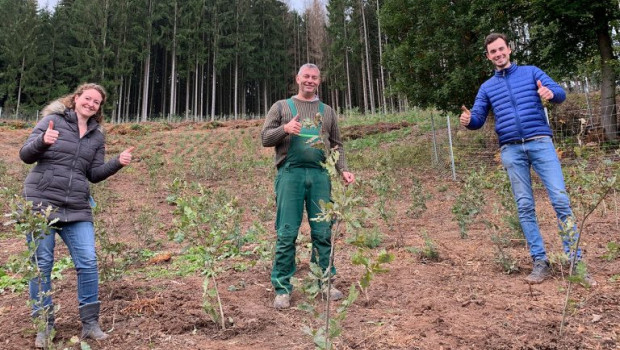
(301, 180)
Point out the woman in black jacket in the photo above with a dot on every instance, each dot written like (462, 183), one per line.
(68, 146)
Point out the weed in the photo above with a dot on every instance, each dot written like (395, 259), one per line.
(366, 238)
(428, 252)
(504, 259)
(500, 184)
(613, 251)
(418, 198)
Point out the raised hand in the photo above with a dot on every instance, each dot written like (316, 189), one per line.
(125, 157)
(465, 117)
(51, 135)
(543, 91)
(293, 127)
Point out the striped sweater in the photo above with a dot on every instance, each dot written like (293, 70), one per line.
(279, 114)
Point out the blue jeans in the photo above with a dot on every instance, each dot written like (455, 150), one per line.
(80, 239)
(539, 154)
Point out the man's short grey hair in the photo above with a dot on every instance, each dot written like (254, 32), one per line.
(309, 65)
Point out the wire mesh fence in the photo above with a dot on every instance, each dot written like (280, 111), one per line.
(457, 151)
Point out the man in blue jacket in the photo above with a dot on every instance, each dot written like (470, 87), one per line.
(515, 93)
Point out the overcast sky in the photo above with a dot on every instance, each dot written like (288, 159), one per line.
(298, 5)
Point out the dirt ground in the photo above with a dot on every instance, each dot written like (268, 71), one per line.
(462, 301)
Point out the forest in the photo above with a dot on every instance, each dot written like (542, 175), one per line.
(427, 242)
(207, 59)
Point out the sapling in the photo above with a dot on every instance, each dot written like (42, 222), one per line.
(371, 266)
(338, 211)
(210, 223)
(588, 189)
(469, 202)
(33, 221)
(418, 198)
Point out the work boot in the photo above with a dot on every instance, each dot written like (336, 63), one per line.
(540, 271)
(43, 337)
(89, 314)
(282, 301)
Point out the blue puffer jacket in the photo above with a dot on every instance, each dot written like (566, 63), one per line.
(518, 110)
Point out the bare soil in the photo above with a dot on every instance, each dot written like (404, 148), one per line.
(462, 301)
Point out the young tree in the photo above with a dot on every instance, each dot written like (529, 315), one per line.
(566, 34)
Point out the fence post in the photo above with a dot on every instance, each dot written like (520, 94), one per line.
(588, 102)
(451, 152)
(435, 153)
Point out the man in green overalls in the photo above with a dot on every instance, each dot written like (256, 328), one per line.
(301, 179)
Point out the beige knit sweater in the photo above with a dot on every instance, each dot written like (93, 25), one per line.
(273, 134)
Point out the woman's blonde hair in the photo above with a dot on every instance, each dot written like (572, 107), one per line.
(69, 100)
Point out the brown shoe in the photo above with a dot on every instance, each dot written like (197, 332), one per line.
(282, 301)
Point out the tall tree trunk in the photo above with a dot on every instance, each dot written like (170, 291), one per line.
(202, 91)
(236, 92)
(608, 80)
(265, 102)
(236, 88)
(128, 92)
(196, 82)
(173, 69)
(381, 62)
(164, 88)
(119, 107)
(364, 88)
(213, 85)
(346, 61)
(368, 69)
(152, 89)
(187, 89)
(21, 82)
(147, 68)
(104, 33)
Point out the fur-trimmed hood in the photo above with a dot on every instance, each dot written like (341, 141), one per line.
(55, 107)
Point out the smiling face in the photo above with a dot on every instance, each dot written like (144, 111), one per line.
(499, 52)
(87, 103)
(308, 81)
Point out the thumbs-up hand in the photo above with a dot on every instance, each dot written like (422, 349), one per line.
(293, 127)
(125, 157)
(465, 117)
(51, 135)
(543, 91)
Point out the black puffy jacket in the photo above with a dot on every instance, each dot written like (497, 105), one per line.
(63, 170)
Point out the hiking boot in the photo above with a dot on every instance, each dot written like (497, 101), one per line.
(540, 271)
(282, 301)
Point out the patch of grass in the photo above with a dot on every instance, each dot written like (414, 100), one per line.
(613, 251)
(428, 252)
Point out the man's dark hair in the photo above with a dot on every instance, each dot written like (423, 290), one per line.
(492, 37)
